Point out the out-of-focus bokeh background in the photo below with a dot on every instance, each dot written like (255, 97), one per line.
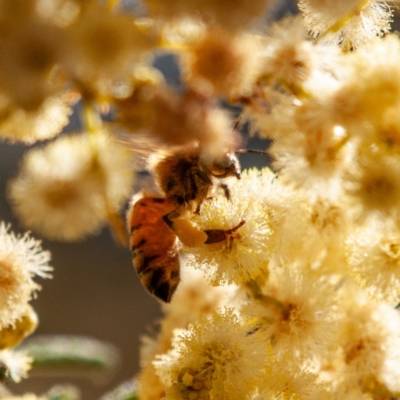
(95, 290)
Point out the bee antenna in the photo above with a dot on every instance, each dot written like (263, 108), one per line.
(261, 152)
(237, 123)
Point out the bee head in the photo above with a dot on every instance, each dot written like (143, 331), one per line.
(227, 165)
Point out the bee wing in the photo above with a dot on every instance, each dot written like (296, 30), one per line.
(144, 181)
(140, 143)
(144, 148)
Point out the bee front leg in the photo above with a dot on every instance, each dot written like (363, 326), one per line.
(219, 235)
(226, 190)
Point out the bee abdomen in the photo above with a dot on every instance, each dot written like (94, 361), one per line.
(135, 227)
(158, 283)
(138, 245)
(142, 263)
(164, 291)
(154, 246)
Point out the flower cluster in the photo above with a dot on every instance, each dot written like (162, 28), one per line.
(288, 278)
(21, 260)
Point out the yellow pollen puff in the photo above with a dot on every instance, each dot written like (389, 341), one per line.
(188, 234)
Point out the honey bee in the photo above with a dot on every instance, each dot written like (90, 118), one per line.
(186, 181)
(154, 243)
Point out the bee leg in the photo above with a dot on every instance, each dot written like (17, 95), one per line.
(168, 218)
(230, 243)
(219, 235)
(203, 176)
(215, 236)
(226, 190)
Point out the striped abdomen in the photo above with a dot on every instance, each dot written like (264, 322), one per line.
(154, 246)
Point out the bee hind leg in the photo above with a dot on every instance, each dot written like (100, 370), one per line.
(169, 218)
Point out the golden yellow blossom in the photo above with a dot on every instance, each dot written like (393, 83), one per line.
(194, 297)
(373, 255)
(330, 223)
(216, 358)
(183, 32)
(292, 60)
(370, 340)
(104, 46)
(73, 185)
(21, 259)
(28, 55)
(372, 185)
(370, 89)
(297, 312)
(293, 380)
(59, 12)
(17, 363)
(349, 23)
(46, 122)
(388, 131)
(288, 215)
(314, 161)
(245, 252)
(222, 63)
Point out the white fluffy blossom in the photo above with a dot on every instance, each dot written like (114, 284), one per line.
(243, 254)
(216, 358)
(21, 259)
(73, 185)
(17, 363)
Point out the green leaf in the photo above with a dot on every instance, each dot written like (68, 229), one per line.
(125, 391)
(63, 392)
(68, 353)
